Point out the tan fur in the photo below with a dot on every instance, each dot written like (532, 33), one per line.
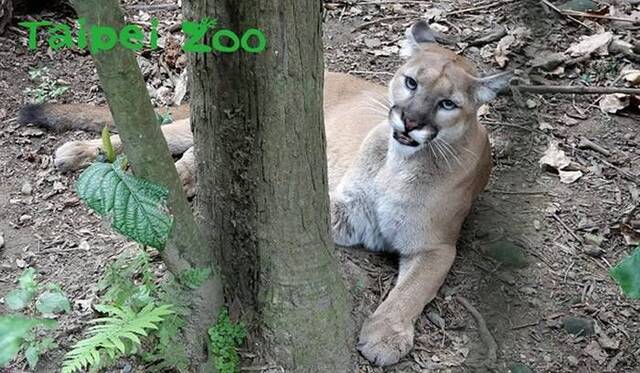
(385, 195)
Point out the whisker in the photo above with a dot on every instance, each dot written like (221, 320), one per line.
(475, 156)
(447, 147)
(444, 156)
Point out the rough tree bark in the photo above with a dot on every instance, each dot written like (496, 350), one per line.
(149, 156)
(262, 179)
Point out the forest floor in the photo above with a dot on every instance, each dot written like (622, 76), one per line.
(535, 253)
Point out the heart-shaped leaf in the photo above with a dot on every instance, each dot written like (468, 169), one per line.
(137, 206)
(51, 302)
(627, 274)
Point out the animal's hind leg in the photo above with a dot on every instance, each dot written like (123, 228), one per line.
(75, 155)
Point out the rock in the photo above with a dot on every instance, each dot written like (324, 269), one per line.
(531, 104)
(527, 290)
(579, 5)
(1, 240)
(436, 319)
(593, 250)
(578, 326)
(27, 189)
(506, 252)
(548, 61)
(572, 361)
(84, 245)
(519, 368)
(25, 218)
(372, 42)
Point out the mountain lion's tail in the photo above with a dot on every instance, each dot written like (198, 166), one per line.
(86, 117)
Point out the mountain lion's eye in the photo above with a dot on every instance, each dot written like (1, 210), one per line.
(410, 83)
(448, 105)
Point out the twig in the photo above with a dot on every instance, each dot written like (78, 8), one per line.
(550, 5)
(574, 89)
(526, 192)
(589, 15)
(485, 334)
(527, 325)
(566, 227)
(382, 2)
(153, 7)
(585, 143)
(384, 19)
(367, 72)
(474, 8)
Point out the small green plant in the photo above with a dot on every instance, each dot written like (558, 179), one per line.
(116, 335)
(129, 287)
(164, 118)
(19, 332)
(225, 337)
(627, 274)
(47, 87)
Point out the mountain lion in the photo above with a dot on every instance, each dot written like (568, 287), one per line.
(405, 164)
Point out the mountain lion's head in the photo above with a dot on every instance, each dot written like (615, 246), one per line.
(436, 94)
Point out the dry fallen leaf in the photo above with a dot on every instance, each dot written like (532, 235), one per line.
(593, 349)
(590, 44)
(554, 158)
(632, 76)
(569, 177)
(613, 103)
(631, 236)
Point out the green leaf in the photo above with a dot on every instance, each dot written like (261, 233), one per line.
(194, 278)
(137, 206)
(108, 337)
(627, 274)
(107, 146)
(51, 302)
(13, 330)
(31, 353)
(18, 299)
(27, 280)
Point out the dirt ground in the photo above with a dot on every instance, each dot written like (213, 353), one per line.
(534, 254)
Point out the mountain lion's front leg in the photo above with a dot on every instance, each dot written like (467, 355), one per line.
(387, 335)
(353, 222)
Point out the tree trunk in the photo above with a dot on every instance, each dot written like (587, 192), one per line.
(149, 156)
(262, 178)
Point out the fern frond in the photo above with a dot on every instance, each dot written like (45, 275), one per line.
(110, 336)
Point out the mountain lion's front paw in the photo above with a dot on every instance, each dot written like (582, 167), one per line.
(74, 155)
(383, 341)
(187, 178)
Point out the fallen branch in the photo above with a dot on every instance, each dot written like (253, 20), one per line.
(483, 330)
(598, 16)
(379, 20)
(573, 89)
(153, 7)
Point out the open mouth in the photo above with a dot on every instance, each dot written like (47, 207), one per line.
(404, 139)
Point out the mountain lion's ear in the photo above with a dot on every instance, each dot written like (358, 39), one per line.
(419, 33)
(487, 88)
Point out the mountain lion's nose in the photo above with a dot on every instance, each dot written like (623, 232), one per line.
(410, 124)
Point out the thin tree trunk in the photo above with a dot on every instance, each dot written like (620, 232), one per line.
(262, 179)
(149, 156)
